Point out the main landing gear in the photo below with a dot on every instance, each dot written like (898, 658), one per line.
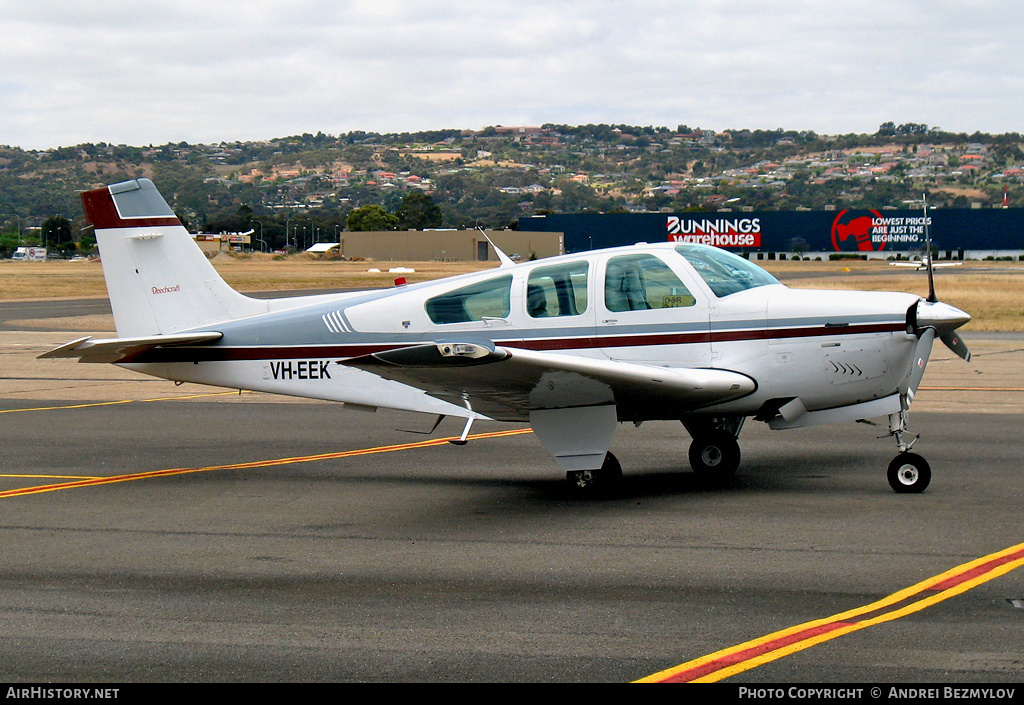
(594, 481)
(908, 472)
(714, 452)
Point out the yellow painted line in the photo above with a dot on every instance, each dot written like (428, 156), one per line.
(974, 389)
(54, 477)
(273, 462)
(737, 659)
(122, 401)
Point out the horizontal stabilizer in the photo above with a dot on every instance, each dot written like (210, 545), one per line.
(119, 349)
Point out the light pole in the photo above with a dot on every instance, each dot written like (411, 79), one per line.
(263, 244)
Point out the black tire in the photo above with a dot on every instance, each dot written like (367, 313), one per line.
(593, 481)
(715, 456)
(909, 472)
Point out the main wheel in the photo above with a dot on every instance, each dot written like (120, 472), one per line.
(909, 472)
(716, 455)
(591, 481)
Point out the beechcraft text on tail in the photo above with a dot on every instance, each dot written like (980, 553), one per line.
(574, 345)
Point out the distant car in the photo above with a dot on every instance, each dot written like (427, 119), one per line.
(79, 258)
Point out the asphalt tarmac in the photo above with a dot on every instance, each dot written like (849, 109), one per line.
(255, 539)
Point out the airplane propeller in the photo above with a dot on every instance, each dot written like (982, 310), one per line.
(955, 343)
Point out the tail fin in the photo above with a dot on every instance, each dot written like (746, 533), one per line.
(158, 279)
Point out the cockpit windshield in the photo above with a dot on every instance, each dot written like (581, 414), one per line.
(724, 272)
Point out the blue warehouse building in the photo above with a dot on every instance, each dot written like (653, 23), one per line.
(957, 233)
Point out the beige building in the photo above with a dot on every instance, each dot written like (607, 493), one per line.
(450, 245)
(225, 242)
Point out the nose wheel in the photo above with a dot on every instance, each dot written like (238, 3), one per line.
(909, 472)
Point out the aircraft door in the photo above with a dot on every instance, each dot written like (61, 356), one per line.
(649, 314)
(558, 309)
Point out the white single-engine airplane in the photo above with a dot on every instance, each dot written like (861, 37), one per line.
(574, 344)
(925, 262)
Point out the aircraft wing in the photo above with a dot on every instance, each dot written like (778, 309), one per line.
(506, 383)
(88, 349)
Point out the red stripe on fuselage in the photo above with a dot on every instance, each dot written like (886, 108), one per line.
(224, 353)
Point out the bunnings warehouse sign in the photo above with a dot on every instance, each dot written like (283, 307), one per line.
(858, 231)
(720, 232)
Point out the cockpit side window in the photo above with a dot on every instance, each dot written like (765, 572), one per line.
(724, 272)
(642, 282)
(560, 290)
(487, 299)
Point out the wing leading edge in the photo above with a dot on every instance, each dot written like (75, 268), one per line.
(507, 383)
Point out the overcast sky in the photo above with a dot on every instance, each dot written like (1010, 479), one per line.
(141, 72)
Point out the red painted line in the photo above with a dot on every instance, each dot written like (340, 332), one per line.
(729, 662)
(975, 572)
(747, 654)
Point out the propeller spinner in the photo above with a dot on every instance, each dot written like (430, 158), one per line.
(944, 320)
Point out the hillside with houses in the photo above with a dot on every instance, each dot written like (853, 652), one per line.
(305, 187)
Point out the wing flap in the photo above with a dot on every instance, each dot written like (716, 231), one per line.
(507, 383)
(88, 349)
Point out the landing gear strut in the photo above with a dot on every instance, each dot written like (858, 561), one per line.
(593, 481)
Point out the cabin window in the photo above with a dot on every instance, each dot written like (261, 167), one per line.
(641, 282)
(486, 299)
(724, 272)
(560, 290)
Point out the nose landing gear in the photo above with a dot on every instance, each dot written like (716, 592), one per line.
(908, 472)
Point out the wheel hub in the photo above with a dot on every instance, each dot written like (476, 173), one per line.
(908, 474)
(711, 456)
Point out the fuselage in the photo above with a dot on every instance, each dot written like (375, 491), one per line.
(686, 306)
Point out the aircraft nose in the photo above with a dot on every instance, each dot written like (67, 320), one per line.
(942, 317)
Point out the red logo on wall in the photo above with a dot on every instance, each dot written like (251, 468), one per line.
(853, 230)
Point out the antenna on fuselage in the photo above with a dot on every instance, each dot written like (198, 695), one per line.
(505, 260)
(928, 251)
(927, 257)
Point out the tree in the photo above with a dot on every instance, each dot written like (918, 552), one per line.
(418, 212)
(57, 232)
(371, 217)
